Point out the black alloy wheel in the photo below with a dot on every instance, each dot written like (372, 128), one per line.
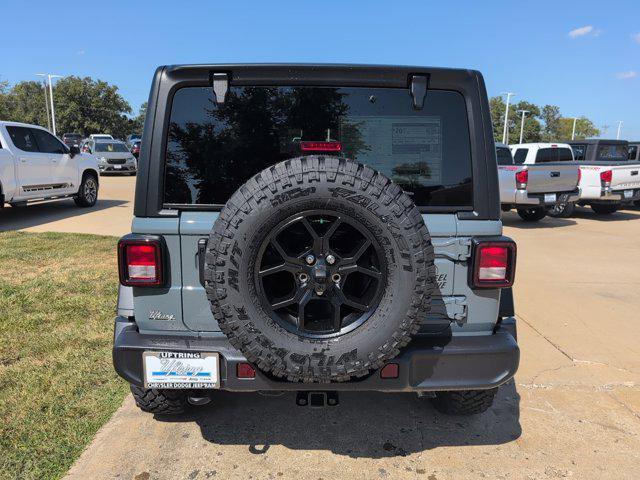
(320, 274)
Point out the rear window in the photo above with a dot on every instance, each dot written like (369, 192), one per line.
(111, 147)
(579, 151)
(615, 153)
(212, 149)
(520, 156)
(546, 155)
(504, 156)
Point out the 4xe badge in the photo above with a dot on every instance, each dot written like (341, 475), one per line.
(158, 315)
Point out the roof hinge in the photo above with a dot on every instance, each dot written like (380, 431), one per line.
(456, 308)
(455, 249)
(220, 83)
(418, 90)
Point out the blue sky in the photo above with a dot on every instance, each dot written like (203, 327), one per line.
(524, 47)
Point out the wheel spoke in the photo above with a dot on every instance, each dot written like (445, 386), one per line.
(330, 231)
(285, 267)
(342, 298)
(356, 256)
(304, 299)
(351, 268)
(285, 256)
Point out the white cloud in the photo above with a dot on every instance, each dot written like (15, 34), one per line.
(589, 30)
(81, 52)
(636, 37)
(627, 75)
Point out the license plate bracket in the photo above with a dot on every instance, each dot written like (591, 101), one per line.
(175, 370)
(628, 194)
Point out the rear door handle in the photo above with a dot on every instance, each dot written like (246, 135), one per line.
(555, 174)
(23, 159)
(634, 172)
(202, 251)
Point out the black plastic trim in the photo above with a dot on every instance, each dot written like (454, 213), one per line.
(426, 364)
(507, 308)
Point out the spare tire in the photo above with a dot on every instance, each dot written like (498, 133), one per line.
(319, 269)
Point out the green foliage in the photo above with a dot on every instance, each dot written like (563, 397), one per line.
(544, 124)
(57, 383)
(82, 105)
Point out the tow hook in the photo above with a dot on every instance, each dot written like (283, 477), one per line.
(198, 401)
(317, 399)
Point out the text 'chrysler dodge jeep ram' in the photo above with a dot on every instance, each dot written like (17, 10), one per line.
(316, 229)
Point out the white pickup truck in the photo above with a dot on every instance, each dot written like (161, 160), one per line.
(534, 189)
(35, 165)
(604, 185)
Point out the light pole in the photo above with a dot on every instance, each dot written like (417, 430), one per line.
(46, 100)
(523, 112)
(573, 131)
(506, 116)
(53, 112)
(619, 129)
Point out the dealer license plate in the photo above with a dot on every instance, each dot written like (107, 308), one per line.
(549, 198)
(181, 370)
(628, 194)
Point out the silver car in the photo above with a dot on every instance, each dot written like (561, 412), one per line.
(113, 156)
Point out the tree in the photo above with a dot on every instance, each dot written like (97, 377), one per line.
(138, 122)
(82, 105)
(584, 128)
(532, 126)
(90, 106)
(25, 102)
(550, 115)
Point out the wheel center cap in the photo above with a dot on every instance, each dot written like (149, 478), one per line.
(319, 272)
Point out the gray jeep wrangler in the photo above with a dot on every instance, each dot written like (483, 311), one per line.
(316, 228)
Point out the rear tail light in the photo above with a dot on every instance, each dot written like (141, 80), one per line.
(579, 174)
(605, 177)
(494, 264)
(140, 262)
(320, 146)
(522, 178)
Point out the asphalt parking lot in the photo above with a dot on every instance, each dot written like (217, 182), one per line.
(572, 411)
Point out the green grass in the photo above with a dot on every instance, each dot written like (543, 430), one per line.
(57, 384)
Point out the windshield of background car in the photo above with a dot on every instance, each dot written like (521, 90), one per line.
(110, 147)
(212, 149)
(504, 156)
(616, 153)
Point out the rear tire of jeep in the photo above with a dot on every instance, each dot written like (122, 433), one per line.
(532, 214)
(604, 209)
(562, 211)
(87, 195)
(307, 340)
(464, 402)
(161, 402)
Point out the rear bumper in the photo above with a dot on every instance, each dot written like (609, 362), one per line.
(618, 196)
(426, 364)
(523, 197)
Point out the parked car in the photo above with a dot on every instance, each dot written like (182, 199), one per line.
(135, 148)
(113, 157)
(599, 150)
(131, 139)
(71, 139)
(534, 189)
(604, 185)
(305, 267)
(36, 165)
